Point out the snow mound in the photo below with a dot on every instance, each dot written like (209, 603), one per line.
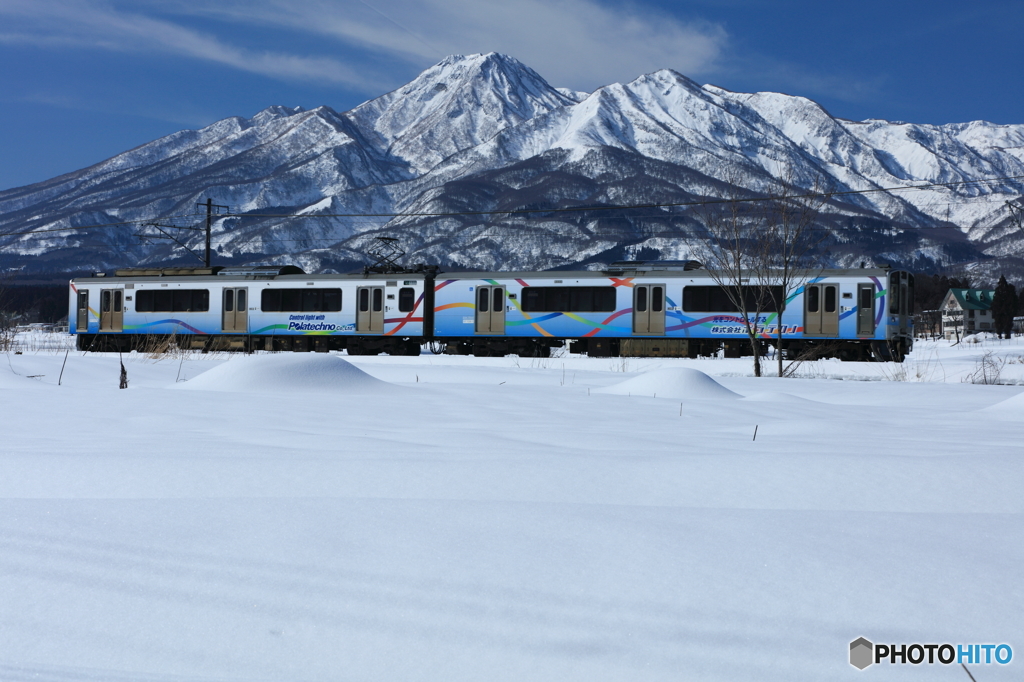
(304, 372)
(676, 382)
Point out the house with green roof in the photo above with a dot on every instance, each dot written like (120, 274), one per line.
(967, 311)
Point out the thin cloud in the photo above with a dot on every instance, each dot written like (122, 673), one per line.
(575, 43)
(170, 110)
(85, 24)
(581, 44)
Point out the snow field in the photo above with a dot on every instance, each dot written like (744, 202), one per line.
(316, 517)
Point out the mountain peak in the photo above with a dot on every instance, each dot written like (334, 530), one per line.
(481, 59)
(458, 103)
(507, 77)
(274, 112)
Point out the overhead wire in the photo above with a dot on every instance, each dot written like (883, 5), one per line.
(529, 211)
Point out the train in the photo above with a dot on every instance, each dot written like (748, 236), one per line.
(631, 309)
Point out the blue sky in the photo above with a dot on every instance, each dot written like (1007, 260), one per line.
(85, 79)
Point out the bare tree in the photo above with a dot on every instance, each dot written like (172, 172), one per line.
(7, 318)
(792, 243)
(761, 250)
(732, 248)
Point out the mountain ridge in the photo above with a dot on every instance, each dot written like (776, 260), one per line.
(486, 130)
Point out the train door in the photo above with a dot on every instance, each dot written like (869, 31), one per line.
(865, 310)
(821, 310)
(82, 324)
(235, 311)
(906, 303)
(111, 310)
(370, 310)
(490, 310)
(901, 301)
(649, 309)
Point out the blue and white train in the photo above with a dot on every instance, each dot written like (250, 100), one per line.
(658, 308)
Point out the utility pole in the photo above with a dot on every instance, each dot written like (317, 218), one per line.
(172, 232)
(1016, 212)
(209, 224)
(209, 227)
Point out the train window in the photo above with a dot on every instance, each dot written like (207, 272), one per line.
(332, 300)
(310, 300)
(812, 298)
(559, 298)
(105, 302)
(894, 293)
(270, 300)
(715, 299)
(172, 300)
(229, 300)
(117, 301)
(830, 299)
(533, 299)
(910, 294)
(300, 300)
(641, 299)
(378, 300)
(291, 300)
(657, 299)
(483, 299)
(181, 301)
(580, 298)
(866, 298)
(706, 299)
(499, 304)
(406, 299)
(568, 299)
(240, 303)
(604, 299)
(364, 300)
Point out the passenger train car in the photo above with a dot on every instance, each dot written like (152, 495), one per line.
(632, 309)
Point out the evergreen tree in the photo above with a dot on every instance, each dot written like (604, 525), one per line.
(959, 282)
(1004, 305)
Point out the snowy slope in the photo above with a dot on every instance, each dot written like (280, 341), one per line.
(485, 132)
(455, 105)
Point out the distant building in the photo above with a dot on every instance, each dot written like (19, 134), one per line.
(967, 311)
(928, 324)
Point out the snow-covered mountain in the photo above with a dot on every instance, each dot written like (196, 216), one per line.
(486, 133)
